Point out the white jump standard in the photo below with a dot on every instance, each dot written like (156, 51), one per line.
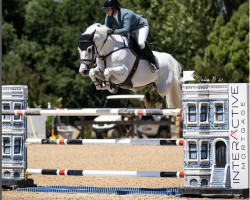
(93, 112)
(105, 142)
(63, 172)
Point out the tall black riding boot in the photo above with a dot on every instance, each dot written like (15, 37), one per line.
(147, 52)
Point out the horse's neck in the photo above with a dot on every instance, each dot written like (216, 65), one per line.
(113, 42)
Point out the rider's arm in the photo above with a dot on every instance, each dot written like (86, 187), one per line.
(127, 19)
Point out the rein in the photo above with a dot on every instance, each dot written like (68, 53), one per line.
(104, 57)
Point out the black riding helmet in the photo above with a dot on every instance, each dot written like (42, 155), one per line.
(111, 4)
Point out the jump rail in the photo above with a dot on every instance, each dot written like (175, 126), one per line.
(93, 112)
(63, 172)
(106, 142)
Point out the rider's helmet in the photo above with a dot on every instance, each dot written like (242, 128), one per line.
(111, 4)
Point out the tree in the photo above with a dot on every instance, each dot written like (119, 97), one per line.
(227, 7)
(57, 62)
(18, 56)
(227, 55)
(178, 27)
(13, 13)
(40, 41)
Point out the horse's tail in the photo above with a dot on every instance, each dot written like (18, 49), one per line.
(174, 97)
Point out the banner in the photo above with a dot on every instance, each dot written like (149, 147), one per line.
(238, 134)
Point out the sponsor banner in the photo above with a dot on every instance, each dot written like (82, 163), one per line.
(238, 134)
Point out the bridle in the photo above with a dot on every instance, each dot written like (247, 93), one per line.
(90, 61)
(96, 53)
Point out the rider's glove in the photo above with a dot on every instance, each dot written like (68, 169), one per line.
(110, 31)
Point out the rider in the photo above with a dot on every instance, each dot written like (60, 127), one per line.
(127, 21)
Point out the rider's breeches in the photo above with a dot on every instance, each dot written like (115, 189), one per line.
(141, 36)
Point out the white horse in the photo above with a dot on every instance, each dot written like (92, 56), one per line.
(115, 61)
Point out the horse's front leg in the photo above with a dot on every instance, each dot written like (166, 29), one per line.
(95, 74)
(117, 74)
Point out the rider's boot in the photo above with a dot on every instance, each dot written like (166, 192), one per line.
(147, 52)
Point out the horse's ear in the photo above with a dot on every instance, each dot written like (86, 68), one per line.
(79, 34)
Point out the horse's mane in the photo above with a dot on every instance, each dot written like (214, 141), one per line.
(102, 31)
(99, 28)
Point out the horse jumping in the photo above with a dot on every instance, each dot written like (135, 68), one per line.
(115, 61)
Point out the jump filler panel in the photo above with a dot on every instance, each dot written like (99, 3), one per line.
(14, 156)
(216, 136)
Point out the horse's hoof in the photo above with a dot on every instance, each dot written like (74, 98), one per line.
(113, 90)
(98, 87)
(158, 105)
(149, 105)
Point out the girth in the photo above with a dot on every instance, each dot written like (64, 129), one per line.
(127, 84)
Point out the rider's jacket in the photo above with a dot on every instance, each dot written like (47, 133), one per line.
(128, 21)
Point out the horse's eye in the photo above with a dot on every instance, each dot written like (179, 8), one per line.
(89, 50)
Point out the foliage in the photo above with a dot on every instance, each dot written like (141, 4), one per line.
(40, 41)
(227, 55)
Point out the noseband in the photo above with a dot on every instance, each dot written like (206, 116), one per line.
(93, 59)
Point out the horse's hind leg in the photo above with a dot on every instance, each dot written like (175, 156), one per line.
(158, 104)
(147, 100)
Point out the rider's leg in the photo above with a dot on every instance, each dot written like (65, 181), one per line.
(141, 36)
(147, 52)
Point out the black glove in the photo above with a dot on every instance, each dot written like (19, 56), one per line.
(110, 31)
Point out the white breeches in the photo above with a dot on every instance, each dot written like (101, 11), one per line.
(141, 35)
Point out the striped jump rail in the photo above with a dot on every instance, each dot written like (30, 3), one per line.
(63, 172)
(156, 142)
(94, 112)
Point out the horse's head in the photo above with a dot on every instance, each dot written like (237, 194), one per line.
(86, 50)
(87, 47)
